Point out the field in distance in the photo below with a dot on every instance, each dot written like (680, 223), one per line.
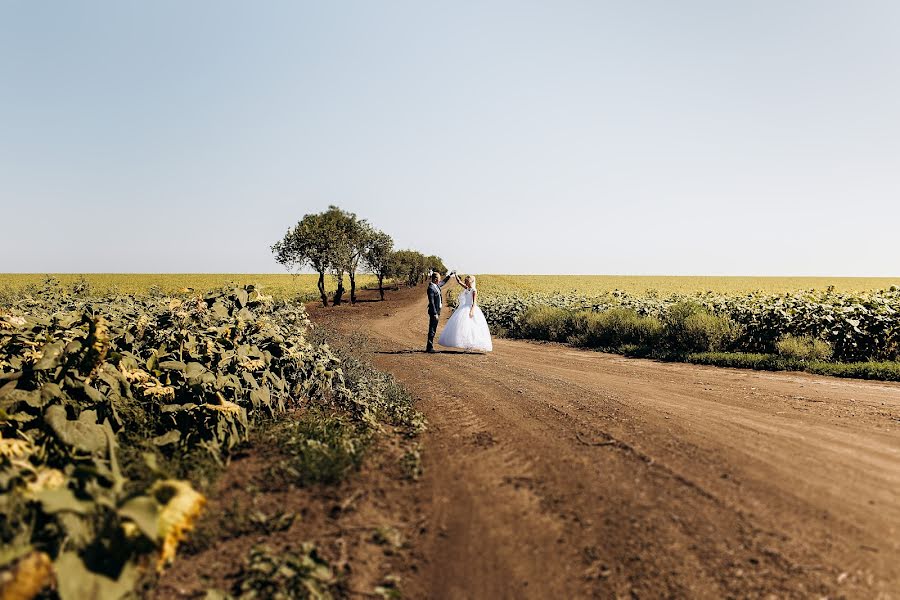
(277, 284)
(285, 285)
(590, 285)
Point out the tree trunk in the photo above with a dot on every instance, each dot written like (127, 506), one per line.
(322, 293)
(381, 285)
(339, 292)
(352, 287)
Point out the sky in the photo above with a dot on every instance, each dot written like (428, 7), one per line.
(630, 137)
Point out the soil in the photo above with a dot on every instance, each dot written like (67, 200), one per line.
(552, 472)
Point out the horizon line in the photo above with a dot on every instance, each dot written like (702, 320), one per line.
(795, 276)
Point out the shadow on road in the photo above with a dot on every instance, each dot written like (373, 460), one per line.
(451, 352)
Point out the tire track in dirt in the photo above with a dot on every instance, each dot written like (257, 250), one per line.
(715, 483)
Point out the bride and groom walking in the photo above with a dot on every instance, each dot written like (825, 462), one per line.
(467, 327)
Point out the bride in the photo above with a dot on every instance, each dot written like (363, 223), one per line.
(467, 327)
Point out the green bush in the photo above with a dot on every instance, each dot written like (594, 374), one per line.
(689, 327)
(317, 448)
(284, 573)
(745, 360)
(635, 351)
(803, 348)
(546, 323)
(883, 371)
(615, 328)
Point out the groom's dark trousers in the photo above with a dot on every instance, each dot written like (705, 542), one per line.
(434, 310)
(432, 329)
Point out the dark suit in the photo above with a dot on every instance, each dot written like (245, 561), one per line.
(435, 304)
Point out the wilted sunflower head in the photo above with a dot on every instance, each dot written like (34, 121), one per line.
(155, 389)
(181, 505)
(134, 375)
(8, 321)
(225, 407)
(253, 364)
(32, 354)
(15, 448)
(47, 479)
(28, 578)
(141, 325)
(98, 342)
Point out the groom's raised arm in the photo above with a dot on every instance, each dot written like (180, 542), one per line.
(444, 281)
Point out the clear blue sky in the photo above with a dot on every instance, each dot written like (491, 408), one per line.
(638, 137)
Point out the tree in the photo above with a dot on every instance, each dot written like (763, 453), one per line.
(349, 247)
(309, 243)
(414, 266)
(436, 264)
(378, 257)
(408, 264)
(361, 233)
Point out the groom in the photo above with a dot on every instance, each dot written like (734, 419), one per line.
(434, 306)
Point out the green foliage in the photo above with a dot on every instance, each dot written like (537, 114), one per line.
(883, 371)
(377, 257)
(410, 266)
(285, 575)
(858, 327)
(689, 327)
(317, 448)
(436, 263)
(685, 328)
(411, 463)
(546, 323)
(167, 378)
(616, 328)
(348, 247)
(803, 348)
(311, 243)
(745, 360)
(880, 370)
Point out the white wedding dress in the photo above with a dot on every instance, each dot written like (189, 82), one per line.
(463, 331)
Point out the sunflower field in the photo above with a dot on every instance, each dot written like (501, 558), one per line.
(98, 392)
(859, 326)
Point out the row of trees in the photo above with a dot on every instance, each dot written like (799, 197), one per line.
(339, 243)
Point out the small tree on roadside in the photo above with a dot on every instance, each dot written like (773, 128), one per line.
(410, 265)
(378, 257)
(349, 246)
(435, 263)
(359, 242)
(309, 243)
(413, 266)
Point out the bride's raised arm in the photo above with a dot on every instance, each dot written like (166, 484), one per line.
(458, 280)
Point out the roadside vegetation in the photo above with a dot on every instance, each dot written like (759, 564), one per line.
(827, 332)
(119, 412)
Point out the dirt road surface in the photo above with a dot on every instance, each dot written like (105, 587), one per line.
(552, 472)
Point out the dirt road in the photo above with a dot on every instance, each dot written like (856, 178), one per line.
(559, 473)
